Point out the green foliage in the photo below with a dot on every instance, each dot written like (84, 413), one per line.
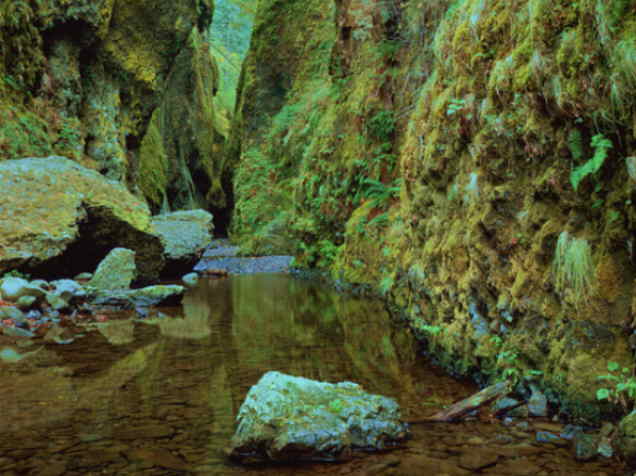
(455, 106)
(573, 266)
(601, 145)
(382, 126)
(378, 192)
(621, 386)
(387, 283)
(575, 144)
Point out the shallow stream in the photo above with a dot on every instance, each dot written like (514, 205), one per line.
(160, 396)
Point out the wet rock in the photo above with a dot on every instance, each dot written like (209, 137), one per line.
(287, 418)
(185, 234)
(57, 303)
(538, 403)
(605, 448)
(116, 271)
(160, 295)
(13, 289)
(190, 279)
(13, 313)
(26, 302)
(505, 406)
(68, 289)
(59, 217)
(585, 446)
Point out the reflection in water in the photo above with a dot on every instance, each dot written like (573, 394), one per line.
(160, 396)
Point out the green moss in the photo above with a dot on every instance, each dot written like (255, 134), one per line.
(573, 266)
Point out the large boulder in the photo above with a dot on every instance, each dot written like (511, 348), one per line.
(186, 235)
(61, 218)
(287, 418)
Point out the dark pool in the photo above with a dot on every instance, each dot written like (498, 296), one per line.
(160, 396)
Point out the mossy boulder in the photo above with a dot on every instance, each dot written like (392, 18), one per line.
(59, 218)
(286, 418)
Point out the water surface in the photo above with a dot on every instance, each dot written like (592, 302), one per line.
(160, 396)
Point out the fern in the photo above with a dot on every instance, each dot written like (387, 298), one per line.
(601, 145)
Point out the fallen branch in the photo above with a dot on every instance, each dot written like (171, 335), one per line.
(459, 410)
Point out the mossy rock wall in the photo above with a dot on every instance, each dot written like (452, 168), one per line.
(472, 160)
(83, 78)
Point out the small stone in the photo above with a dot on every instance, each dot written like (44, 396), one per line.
(68, 289)
(605, 448)
(585, 446)
(10, 312)
(538, 403)
(40, 283)
(56, 302)
(190, 280)
(13, 289)
(26, 302)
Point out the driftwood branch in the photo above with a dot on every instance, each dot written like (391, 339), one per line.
(459, 410)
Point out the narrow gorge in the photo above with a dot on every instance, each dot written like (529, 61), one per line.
(469, 163)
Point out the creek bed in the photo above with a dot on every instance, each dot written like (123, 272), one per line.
(159, 396)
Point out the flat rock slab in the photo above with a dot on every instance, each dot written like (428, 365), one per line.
(220, 249)
(286, 418)
(265, 264)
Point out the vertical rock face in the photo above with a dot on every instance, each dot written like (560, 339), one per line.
(467, 159)
(83, 79)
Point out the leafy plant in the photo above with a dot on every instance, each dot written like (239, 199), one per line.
(455, 106)
(382, 125)
(621, 386)
(379, 192)
(601, 145)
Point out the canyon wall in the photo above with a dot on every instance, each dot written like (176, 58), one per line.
(474, 161)
(123, 87)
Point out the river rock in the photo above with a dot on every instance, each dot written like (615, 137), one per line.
(185, 234)
(68, 289)
(190, 279)
(59, 217)
(13, 313)
(538, 403)
(13, 289)
(160, 295)
(26, 302)
(116, 271)
(286, 418)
